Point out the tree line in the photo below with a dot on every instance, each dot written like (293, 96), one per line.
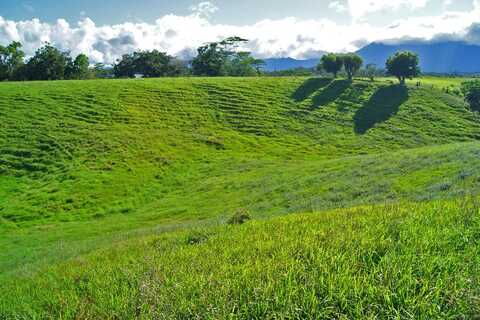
(402, 65)
(48, 63)
(223, 58)
(215, 59)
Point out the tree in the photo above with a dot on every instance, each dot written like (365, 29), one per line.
(150, 64)
(48, 63)
(332, 63)
(11, 61)
(225, 58)
(258, 64)
(210, 61)
(403, 65)
(178, 67)
(125, 67)
(77, 69)
(371, 71)
(242, 64)
(352, 63)
(100, 70)
(82, 64)
(471, 91)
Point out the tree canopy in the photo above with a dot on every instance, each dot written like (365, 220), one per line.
(48, 63)
(78, 68)
(225, 58)
(403, 65)
(352, 63)
(471, 91)
(11, 61)
(149, 64)
(332, 63)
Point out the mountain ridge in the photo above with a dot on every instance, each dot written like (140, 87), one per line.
(451, 57)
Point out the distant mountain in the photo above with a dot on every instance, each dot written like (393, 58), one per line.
(435, 57)
(281, 64)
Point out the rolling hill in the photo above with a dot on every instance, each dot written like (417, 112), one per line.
(113, 193)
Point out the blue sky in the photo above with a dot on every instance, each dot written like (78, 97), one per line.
(230, 11)
(106, 29)
(117, 11)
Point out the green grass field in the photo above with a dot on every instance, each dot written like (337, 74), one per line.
(114, 196)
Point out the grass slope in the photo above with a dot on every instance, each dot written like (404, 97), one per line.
(90, 163)
(86, 145)
(409, 261)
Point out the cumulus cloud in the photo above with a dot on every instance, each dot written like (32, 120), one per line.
(338, 6)
(204, 9)
(181, 35)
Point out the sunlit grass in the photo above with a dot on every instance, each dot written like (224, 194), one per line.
(406, 261)
(85, 165)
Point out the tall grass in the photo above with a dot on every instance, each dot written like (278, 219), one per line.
(405, 261)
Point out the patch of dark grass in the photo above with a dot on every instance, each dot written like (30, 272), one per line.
(240, 217)
(384, 104)
(330, 93)
(309, 87)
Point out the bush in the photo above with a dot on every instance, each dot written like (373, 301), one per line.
(471, 91)
(240, 217)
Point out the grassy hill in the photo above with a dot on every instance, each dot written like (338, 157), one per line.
(409, 261)
(85, 165)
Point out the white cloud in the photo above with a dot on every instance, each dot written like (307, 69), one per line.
(361, 8)
(447, 3)
(181, 35)
(204, 9)
(338, 6)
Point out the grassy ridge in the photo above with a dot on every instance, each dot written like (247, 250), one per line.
(83, 161)
(264, 189)
(85, 165)
(89, 138)
(408, 261)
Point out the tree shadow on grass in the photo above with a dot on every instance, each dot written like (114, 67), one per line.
(330, 93)
(382, 105)
(309, 87)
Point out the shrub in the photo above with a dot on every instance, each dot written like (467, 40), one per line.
(471, 91)
(240, 217)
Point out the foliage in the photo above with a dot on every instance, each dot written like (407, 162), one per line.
(102, 71)
(332, 63)
(371, 71)
(78, 69)
(48, 63)
(403, 65)
(225, 58)
(210, 61)
(471, 92)
(11, 61)
(240, 217)
(150, 64)
(352, 63)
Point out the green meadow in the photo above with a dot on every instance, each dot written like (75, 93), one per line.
(115, 197)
